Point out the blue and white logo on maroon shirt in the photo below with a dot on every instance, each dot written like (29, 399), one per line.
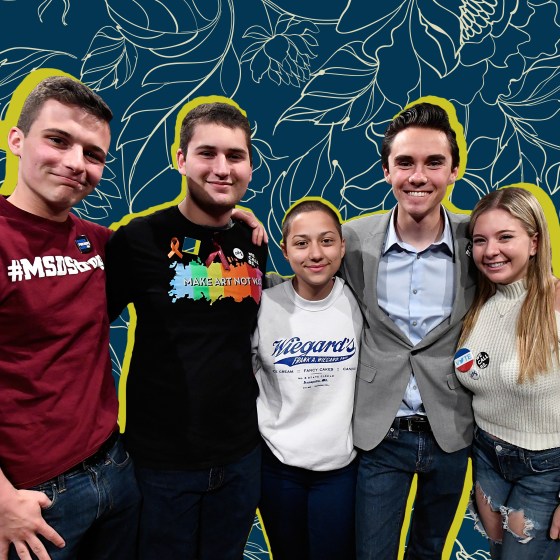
(463, 360)
(83, 244)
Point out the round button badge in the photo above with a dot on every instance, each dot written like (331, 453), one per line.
(482, 360)
(463, 360)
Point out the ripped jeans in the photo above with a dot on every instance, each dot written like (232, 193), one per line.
(512, 479)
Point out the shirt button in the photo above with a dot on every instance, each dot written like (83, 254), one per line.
(417, 256)
(414, 323)
(414, 291)
(498, 448)
(414, 387)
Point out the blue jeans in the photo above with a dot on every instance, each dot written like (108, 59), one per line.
(308, 515)
(203, 514)
(95, 508)
(384, 477)
(514, 479)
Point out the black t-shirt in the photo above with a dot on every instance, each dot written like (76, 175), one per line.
(190, 399)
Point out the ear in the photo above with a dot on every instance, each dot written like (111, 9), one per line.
(181, 161)
(343, 248)
(534, 245)
(284, 252)
(16, 139)
(387, 175)
(453, 176)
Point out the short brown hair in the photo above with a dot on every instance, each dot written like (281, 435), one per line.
(421, 115)
(304, 206)
(64, 90)
(223, 114)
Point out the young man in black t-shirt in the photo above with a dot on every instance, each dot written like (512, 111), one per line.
(195, 279)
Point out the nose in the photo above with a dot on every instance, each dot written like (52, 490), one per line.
(74, 159)
(315, 251)
(221, 167)
(491, 248)
(418, 178)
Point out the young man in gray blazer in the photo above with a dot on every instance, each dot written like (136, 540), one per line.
(412, 274)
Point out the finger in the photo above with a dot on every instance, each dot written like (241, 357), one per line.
(256, 235)
(43, 500)
(22, 551)
(4, 546)
(51, 535)
(38, 548)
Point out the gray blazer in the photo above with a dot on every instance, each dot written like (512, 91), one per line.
(387, 356)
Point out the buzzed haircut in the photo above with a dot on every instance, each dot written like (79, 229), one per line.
(64, 90)
(308, 206)
(421, 115)
(222, 114)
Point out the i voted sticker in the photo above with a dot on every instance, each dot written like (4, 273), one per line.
(463, 360)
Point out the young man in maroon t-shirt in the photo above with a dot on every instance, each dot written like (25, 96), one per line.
(67, 487)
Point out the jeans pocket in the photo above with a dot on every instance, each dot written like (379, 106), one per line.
(545, 461)
(49, 489)
(119, 456)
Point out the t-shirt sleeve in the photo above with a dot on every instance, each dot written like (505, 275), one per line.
(118, 271)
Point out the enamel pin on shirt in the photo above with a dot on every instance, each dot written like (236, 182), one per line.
(83, 244)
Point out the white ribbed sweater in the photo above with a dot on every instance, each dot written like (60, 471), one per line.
(528, 414)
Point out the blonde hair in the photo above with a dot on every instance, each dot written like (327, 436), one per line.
(536, 331)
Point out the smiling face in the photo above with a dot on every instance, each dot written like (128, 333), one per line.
(502, 247)
(61, 159)
(420, 170)
(314, 248)
(218, 171)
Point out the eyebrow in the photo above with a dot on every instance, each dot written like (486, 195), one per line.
(497, 232)
(403, 157)
(307, 235)
(61, 132)
(229, 150)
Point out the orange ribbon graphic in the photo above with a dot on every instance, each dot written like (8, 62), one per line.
(175, 248)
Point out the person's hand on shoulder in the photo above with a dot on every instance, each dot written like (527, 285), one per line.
(259, 233)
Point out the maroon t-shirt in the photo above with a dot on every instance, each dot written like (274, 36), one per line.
(57, 396)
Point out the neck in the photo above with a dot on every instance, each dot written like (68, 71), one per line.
(420, 233)
(198, 216)
(312, 293)
(37, 209)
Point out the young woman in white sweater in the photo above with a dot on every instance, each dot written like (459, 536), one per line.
(509, 359)
(305, 352)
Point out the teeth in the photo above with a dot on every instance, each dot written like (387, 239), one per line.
(495, 265)
(417, 193)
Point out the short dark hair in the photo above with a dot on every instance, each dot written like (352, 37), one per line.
(304, 206)
(64, 90)
(421, 115)
(223, 114)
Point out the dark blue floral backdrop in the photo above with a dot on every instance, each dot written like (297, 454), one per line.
(319, 81)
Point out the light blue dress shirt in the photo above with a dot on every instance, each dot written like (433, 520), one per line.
(415, 289)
